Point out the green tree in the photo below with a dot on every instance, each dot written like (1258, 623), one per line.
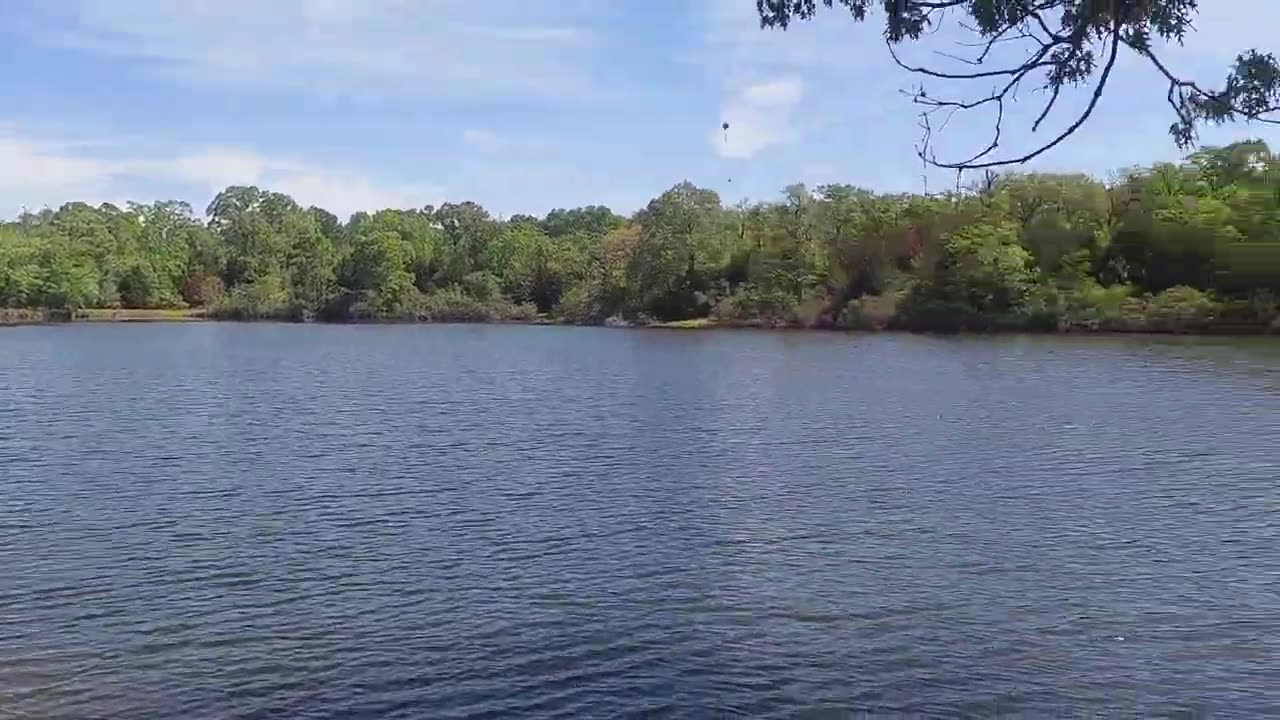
(377, 265)
(250, 223)
(664, 273)
(592, 220)
(985, 267)
(1172, 246)
(539, 268)
(467, 234)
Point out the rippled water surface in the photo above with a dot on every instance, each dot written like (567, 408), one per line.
(226, 521)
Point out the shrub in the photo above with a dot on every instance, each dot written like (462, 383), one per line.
(454, 305)
(752, 306)
(483, 286)
(519, 312)
(869, 312)
(266, 297)
(944, 316)
(1179, 309)
(202, 290)
(1266, 306)
(1095, 306)
(581, 304)
(811, 312)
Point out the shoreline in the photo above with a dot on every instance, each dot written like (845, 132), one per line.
(21, 318)
(10, 317)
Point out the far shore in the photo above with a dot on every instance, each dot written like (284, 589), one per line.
(10, 317)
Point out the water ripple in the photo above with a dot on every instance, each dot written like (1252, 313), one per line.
(263, 521)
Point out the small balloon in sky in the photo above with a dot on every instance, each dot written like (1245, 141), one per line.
(725, 127)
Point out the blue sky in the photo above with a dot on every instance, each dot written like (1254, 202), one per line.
(521, 105)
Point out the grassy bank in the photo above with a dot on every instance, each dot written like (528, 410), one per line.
(24, 316)
(138, 315)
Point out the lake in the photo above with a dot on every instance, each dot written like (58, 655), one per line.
(260, 521)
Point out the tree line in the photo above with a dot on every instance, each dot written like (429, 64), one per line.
(1174, 246)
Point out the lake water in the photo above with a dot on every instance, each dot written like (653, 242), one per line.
(259, 521)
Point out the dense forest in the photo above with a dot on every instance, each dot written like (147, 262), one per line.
(1179, 246)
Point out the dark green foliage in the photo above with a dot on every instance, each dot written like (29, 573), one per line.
(454, 305)
(1175, 247)
(919, 312)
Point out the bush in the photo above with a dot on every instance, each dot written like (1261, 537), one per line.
(454, 305)
(678, 304)
(944, 316)
(729, 310)
(483, 286)
(811, 312)
(203, 290)
(1042, 311)
(264, 298)
(869, 312)
(139, 287)
(1179, 309)
(581, 304)
(1040, 321)
(924, 309)
(1266, 307)
(753, 306)
(519, 312)
(1093, 306)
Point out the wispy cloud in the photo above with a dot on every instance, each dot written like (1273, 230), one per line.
(340, 191)
(759, 116)
(36, 172)
(777, 86)
(453, 48)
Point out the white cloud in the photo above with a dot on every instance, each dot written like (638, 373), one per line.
(339, 191)
(759, 116)
(343, 193)
(782, 92)
(483, 140)
(422, 47)
(35, 173)
(216, 168)
(765, 75)
(31, 166)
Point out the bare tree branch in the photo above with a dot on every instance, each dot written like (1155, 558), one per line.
(1047, 108)
(1068, 42)
(923, 151)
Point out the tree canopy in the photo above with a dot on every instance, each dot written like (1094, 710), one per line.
(1172, 246)
(1051, 46)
